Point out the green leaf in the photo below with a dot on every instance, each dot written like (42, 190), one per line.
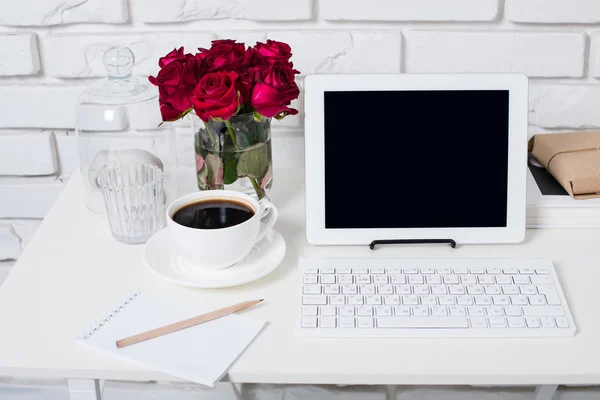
(257, 116)
(230, 174)
(202, 178)
(253, 161)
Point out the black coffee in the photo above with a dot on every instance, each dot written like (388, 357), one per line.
(213, 214)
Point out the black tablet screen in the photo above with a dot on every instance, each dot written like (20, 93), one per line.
(416, 159)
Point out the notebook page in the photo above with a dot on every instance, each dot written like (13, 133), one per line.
(200, 354)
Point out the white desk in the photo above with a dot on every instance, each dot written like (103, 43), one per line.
(73, 271)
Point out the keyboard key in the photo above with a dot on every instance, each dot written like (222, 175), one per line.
(311, 289)
(365, 322)
(309, 322)
(345, 279)
(483, 300)
(444, 271)
(311, 270)
(542, 280)
(346, 311)
(515, 322)
(363, 279)
(477, 271)
(344, 270)
(518, 300)
(474, 289)
(527, 290)
(446, 300)
(547, 322)
(439, 290)
(403, 289)
(500, 300)
(551, 311)
(527, 271)
(331, 289)
(327, 311)
(377, 271)
(428, 300)
(494, 311)
(373, 300)
(380, 279)
(383, 311)
(402, 311)
(421, 289)
(486, 280)
(494, 271)
(450, 280)
(538, 300)
(552, 297)
(439, 311)
(542, 271)
(345, 322)
(327, 279)
(411, 271)
(476, 311)
(415, 279)
(420, 311)
(355, 300)
(364, 311)
(521, 280)
(360, 271)
(510, 289)
(427, 270)
(532, 322)
(464, 300)
(510, 271)
(394, 270)
(458, 311)
(310, 278)
(492, 289)
(366, 289)
(461, 270)
(420, 322)
(314, 300)
(385, 289)
(397, 279)
(436, 279)
(478, 322)
(512, 311)
(497, 322)
(327, 322)
(503, 280)
(391, 300)
(349, 289)
(468, 280)
(327, 271)
(411, 300)
(457, 290)
(309, 310)
(562, 322)
(337, 300)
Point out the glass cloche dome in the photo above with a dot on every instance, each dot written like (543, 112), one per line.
(119, 122)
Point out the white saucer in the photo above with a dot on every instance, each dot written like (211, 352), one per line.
(160, 258)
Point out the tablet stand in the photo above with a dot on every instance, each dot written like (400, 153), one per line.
(451, 242)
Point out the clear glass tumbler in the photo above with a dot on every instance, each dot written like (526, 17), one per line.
(134, 199)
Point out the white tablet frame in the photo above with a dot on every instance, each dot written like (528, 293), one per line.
(314, 88)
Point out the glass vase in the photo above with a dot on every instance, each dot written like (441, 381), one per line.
(234, 155)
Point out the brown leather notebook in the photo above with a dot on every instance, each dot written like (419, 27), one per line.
(573, 158)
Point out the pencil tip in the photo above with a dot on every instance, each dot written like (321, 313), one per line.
(262, 300)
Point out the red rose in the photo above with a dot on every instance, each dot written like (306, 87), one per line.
(216, 96)
(225, 55)
(273, 52)
(172, 56)
(175, 81)
(272, 95)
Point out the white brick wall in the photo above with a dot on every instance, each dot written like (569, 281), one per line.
(553, 11)
(18, 54)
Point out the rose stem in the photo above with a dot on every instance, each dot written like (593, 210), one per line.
(210, 135)
(231, 134)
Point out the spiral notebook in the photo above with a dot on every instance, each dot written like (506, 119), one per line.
(201, 354)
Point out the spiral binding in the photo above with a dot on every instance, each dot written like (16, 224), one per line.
(107, 317)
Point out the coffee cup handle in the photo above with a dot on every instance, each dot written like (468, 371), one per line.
(266, 223)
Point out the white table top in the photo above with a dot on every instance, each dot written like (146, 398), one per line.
(73, 270)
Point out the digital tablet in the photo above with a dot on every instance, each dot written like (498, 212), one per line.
(415, 156)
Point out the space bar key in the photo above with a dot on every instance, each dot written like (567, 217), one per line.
(425, 322)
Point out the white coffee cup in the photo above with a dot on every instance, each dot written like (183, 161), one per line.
(222, 247)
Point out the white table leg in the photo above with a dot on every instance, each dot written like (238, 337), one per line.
(545, 392)
(85, 389)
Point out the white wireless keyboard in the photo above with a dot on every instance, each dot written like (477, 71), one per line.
(431, 297)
